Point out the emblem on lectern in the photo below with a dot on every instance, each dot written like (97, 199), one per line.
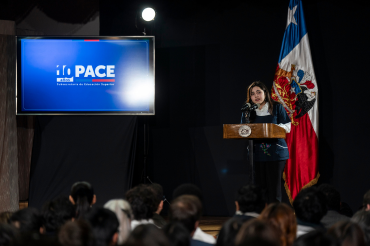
(245, 131)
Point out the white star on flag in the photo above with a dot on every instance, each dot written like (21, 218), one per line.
(291, 18)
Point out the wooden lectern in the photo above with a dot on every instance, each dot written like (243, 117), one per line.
(253, 131)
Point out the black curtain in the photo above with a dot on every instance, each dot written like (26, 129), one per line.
(206, 56)
(67, 149)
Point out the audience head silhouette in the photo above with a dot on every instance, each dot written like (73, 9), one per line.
(83, 196)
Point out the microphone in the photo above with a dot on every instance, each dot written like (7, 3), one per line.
(250, 107)
(255, 106)
(245, 106)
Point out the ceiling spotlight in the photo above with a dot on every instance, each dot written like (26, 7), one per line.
(148, 14)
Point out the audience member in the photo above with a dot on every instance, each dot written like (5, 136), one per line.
(229, 230)
(250, 201)
(282, 217)
(366, 201)
(309, 206)
(104, 225)
(157, 218)
(143, 203)
(123, 211)
(5, 216)
(256, 228)
(147, 235)
(347, 233)
(27, 220)
(317, 238)
(362, 218)
(83, 196)
(76, 233)
(190, 189)
(187, 210)
(332, 200)
(56, 213)
(7, 234)
(177, 234)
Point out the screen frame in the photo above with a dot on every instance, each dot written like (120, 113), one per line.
(18, 77)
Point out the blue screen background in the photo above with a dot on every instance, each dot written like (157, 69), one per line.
(40, 89)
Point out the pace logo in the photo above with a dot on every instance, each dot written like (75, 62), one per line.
(86, 74)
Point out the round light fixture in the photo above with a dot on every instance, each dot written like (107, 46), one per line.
(148, 14)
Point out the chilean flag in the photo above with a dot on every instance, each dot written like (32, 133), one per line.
(295, 87)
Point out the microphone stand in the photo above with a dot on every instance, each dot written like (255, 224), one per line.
(247, 112)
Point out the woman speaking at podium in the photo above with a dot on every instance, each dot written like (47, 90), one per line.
(270, 155)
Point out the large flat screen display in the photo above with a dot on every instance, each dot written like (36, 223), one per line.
(85, 75)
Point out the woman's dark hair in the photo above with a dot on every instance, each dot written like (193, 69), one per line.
(282, 217)
(144, 235)
(268, 98)
(76, 233)
(143, 202)
(229, 230)
(259, 229)
(347, 233)
(177, 234)
(83, 195)
(317, 238)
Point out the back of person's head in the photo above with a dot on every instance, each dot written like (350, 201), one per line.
(309, 205)
(177, 234)
(256, 228)
(123, 211)
(282, 217)
(332, 196)
(366, 200)
(27, 220)
(362, 218)
(251, 198)
(229, 230)
(158, 191)
(83, 196)
(143, 202)
(316, 238)
(5, 216)
(104, 224)
(147, 235)
(187, 189)
(347, 233)
(186, 209)
(56, 213)
(7, 234)
(76, 233)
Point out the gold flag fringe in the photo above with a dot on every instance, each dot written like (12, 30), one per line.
(309, 184)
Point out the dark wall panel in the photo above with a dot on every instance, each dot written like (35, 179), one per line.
(67, 149)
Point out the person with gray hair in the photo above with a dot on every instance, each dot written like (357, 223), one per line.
(123, 211)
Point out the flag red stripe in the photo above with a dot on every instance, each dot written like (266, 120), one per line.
(302, 166)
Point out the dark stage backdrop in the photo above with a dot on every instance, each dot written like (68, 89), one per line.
(67, 149)
(206, 56)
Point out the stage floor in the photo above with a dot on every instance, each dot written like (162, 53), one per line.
(212, 225)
